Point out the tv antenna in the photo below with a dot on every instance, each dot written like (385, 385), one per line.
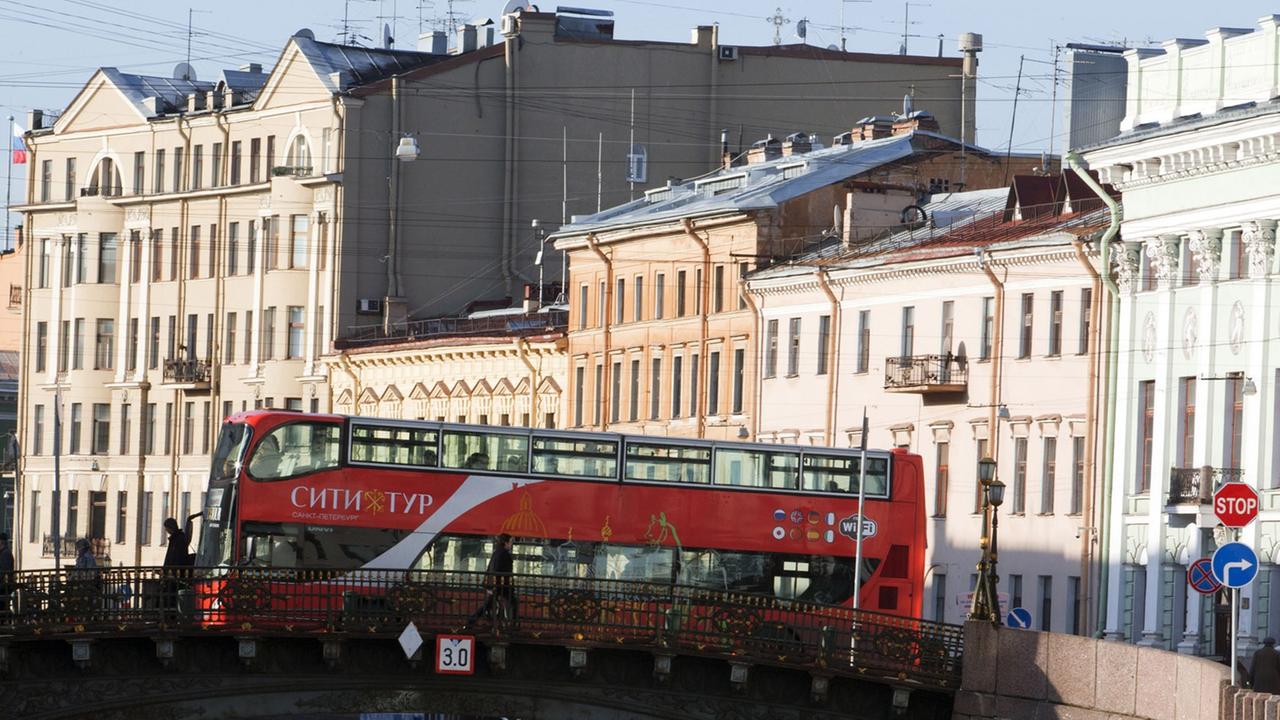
(906, 23)
(192, 33)
(843, 46)
(777, 20)
(390, 29)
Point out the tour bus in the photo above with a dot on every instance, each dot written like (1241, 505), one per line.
(335, 493)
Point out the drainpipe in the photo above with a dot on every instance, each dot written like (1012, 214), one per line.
(833, 374)
(702, 331)
(393, 187)
(997, 352)
(522, 349)
(1110, 365)
(509, 180)
(593, 242)
(755, 343)
(1091, 423)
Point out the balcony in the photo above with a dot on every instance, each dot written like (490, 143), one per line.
(926, 374)
(100, 546)
(186, 374)
(297, 171)
(1195, 486)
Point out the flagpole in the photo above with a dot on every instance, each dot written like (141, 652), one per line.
(862, 494)
(8, 186)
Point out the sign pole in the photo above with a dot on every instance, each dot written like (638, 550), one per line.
(1235, 619)
(862, 494)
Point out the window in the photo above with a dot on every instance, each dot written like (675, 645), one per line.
(248, 336)
(908, 332)
(824, 341)
(42, 273)
(188, 426)
(174, 240)
(1048, 475)
(168, 428)
(193, 252)
(717, 288)
(1146, 430)
(1186, 421)
(1232, 438)
(77, 345)
(739, 370)
(1077, 474)
(578, 387)
(620, 300)
(1073, 604)
(298, 155)
(132, 355)
(229, 345)
(659, 295)
(1055, 323)
(75, 427)
(864, 341)
(602, 300)
(235, 162)
(64, 346)
(177, 170)
(615, 379)
(157, 254)
(1024, 336)
(125, 427)
(655, 387)
(693, 385)
(698, 290)
(1019, 475)
(158, 175)
(82, 258)
(139, 176)
(153, 344)
(122, 515)
(270, 155)
(394, 445)
(941, 478)
(147, 443)
(713, 384)
(680, 293)
(73, 512)
(677, 378)
(233, 248)
(988, 327)
(267, 351)
(197, 167)
(948, 327)
(598, 404)
(193, 335)
(793, 348)
(46, 180)
(939, 597)
(37, 430)
(135, 257)
(271, 242)
(637, 313)
(635, 391)
(297, 332)
(1086, 312)
(69, 184)
(771, 349)
(42, 343)
(1015, 591)
(299, 243)
(654, 462)
(742, 286)
(68, 262)
(144, 518)
(981, 452)
(173, 338)
(103, 345)
(582, 307)
(106, 258)
(255, 159)
(100, 437)
(251, 249)
(1239, 264)
(1046, 602)
(206, 435)
(212, 267)
(215, 163)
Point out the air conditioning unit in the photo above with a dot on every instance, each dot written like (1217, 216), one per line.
(369, 306)
(728, 53)
(510, 26)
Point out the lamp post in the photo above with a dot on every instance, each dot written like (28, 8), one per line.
(986, 598)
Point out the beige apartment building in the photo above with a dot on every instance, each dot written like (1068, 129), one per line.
(662, 336)
(972, 334)
(198, 245)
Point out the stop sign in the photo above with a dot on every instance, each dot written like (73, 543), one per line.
(1235, 504)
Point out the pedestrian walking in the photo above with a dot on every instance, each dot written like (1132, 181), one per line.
(1264, 672)
(497, 580)
(176, 558)
(6, 572)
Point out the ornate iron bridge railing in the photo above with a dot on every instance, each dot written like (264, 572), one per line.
(548, 610)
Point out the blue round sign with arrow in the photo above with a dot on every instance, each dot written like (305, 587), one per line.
(1235, 564)
(1019, 618)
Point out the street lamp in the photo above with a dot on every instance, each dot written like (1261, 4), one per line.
(986, 602)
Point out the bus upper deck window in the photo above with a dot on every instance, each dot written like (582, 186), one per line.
(295, 449)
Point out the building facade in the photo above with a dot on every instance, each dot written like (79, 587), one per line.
(948, 336)
(1195, 392)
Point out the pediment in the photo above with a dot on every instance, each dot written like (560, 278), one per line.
(368, 396)
(293, 81)
(439, 390)
(344, 397)
(504, 387)
(100, 104)
(549, 386)
(419, 392)
(392, 394)
(460, 389)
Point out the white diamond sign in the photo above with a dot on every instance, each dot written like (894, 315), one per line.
(410, 640)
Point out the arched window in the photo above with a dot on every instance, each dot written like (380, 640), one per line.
(299, 156)
(105, 179)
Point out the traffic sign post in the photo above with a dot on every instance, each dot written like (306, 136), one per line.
(1235, 565)
(1235, 504)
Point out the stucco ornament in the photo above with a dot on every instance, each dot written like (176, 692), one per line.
(1259, 237)
(1126, 265)
(1235, 328)
(1149, 337)
(1163, 253)
(1206, 250)
(1190, 332)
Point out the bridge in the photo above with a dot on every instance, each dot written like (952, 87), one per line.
(265, 643)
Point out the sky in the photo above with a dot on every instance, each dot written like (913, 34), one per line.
(52, 48)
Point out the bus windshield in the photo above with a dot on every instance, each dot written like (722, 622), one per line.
(230, 451)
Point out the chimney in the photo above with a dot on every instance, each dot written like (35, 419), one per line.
(436, 42)
(466, 39)
(212, 100)
(764, 150)
(873, 128)
(796, 144)
(151, 105)
(228, 97)
(918, 120)
(251, 68)
(842, 139)
(35, 119)
(195, 101)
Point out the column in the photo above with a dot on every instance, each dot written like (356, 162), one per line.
(1163, 252)
(1127, 273)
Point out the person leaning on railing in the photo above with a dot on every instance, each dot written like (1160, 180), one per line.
(177, 558)
(6, 572)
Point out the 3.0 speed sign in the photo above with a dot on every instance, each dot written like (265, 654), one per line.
(455, 654)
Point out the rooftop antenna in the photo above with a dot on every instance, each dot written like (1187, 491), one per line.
(421, 20)
(390, 27)
(451, 16)
(777, 20)
(190, 34)
(843, 46)
(906, 22)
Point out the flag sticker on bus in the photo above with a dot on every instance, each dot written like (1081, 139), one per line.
(848, 524)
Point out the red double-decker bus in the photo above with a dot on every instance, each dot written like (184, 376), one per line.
(294, 490)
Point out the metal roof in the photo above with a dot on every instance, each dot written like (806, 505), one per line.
(358, 65)
(171, 92)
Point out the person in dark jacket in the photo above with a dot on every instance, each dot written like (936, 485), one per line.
(6, 571)
(1265, 670)
(176, 557)
(497, 580)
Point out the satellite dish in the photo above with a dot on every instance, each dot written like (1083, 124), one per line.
(516, 6)
(305, 33)
(183, 71)
(387, 40)
(833, 46)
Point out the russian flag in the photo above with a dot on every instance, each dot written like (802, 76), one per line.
(19, 147)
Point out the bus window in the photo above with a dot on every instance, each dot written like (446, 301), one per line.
(295, 449)
(630, 562)
(324, 547)
(840, 473)
(230, 451)
(824, 579)
(726, 570)
(486, 451)
(575, 457)
(394, 445)
(456, 553)
(668, 463)
(757, 468)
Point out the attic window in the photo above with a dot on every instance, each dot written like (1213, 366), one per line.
(721, 185)
(658, 195)
(793, 170)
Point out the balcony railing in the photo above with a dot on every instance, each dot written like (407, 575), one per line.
(1196, 485)
(101, 547)
(291, 171)
(186, 371)
(926, 373)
